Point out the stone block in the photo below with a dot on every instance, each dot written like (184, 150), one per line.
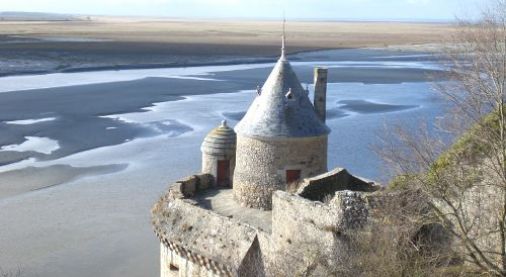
(175, 191)
(353, 208)
(205, 181)
(189, 186)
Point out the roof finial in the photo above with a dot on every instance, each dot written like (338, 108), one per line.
(283, 37)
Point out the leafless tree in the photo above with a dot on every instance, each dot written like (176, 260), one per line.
(466, 185)
(399, 241)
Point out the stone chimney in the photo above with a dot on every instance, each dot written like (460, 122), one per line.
(320, 92)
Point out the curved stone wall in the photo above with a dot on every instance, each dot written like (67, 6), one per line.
(210, 165)
(261, 165)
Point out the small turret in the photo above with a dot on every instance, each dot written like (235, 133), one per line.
(320, 92)
(218, 154)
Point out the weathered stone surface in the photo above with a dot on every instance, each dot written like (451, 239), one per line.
(327, 184)
(353, 209)
(205, 181)
(199, 239)
(219, 145)
(253, 263)
(221, 201)
(189, 186)
(302, 231)
(192, 232)
(320, 92)
(175, 191)
(262, 163)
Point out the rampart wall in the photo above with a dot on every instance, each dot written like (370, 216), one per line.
(196, 241)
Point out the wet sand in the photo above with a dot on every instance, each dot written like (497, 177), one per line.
(20, 181)
(80, 115)
(120, 43)
(362, 106)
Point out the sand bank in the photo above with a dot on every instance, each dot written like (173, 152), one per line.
(102, 44)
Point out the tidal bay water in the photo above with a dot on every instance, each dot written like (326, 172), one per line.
(83, 156)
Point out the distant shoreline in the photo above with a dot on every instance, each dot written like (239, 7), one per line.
(196, 63)
(115, 44)
(142, 66)
(30, 61)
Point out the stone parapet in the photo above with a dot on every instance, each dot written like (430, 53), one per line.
(308, 226)
(189, 186)
(199, 242)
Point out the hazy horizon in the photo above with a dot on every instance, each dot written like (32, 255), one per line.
(316, 10)
(400, 20)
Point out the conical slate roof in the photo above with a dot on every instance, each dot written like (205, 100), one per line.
(282, 109)
(220, 141)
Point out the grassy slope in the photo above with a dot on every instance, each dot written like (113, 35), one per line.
(470, 149)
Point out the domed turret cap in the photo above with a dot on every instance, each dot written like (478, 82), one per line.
(220, 141)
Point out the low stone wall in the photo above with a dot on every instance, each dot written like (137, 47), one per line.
(199, 242)
(305, 231)
(190, 186)
(326, 185)
(308, 234)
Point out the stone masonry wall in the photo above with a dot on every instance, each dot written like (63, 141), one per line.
(261, 165)
(189, 186)
(210, 165)
(172, 264)
(199, 242)
(308, 234)
(325, 185)
(320, 92)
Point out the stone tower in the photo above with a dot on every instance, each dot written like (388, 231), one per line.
(280, 140)
(320, 92)
(218, 154)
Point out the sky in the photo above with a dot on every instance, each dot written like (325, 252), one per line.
(411, 10)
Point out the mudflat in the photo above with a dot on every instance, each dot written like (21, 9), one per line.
(57, 122)
(119, 43)
(91, 152)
